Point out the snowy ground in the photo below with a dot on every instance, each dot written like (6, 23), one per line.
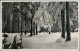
(46, 41)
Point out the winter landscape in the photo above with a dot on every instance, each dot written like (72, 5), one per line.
(40, 25)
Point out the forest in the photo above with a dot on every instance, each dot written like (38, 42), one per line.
(45, 16)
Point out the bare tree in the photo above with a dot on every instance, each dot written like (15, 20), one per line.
(63, 22)
(68, 22)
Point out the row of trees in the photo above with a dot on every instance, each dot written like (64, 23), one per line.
(26, 16)
(17, 15)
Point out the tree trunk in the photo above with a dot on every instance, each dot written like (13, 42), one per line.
(4, 29)
(8, 24)
(36, 30)
(21, 25)
(15, 23)
(68, 22)
(21, 21)
(18, 24)
(63, 22)
(25, 23)
(31, 26)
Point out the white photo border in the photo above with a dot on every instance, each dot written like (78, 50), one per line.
(38, 1)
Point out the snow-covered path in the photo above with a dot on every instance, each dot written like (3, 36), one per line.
(46, 41)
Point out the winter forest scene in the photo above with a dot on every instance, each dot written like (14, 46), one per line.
(39, 25)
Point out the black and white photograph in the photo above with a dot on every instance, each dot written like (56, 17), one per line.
(40, 25)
